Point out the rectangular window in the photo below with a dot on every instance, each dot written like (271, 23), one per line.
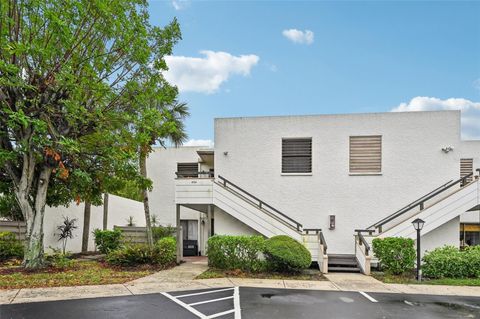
(296, 155)
(187, 170)
(366, 154)
(466, 167)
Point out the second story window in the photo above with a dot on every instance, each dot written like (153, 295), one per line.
(365, 154)
(296, 155)
(186, 170)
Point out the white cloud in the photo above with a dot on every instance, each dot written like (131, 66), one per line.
(207, 73)
(179, 4)
(476, 84)
(193, 142)
(298, 36)
(470, 111)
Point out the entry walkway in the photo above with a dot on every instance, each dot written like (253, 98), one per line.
(183, 278)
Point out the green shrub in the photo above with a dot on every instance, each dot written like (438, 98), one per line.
(284, 253)
(10, 247)
(160, 232)
(59, 260)
(236, 252)
(163, 253)
(107, 240)
(450, 262)
(167, 248)
(396, 254)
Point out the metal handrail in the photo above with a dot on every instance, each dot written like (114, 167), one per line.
(261, 204)
(420, 202)
(323, 242)
(194, 174)
(362, 240)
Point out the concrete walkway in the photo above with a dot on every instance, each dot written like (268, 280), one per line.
(182, 278)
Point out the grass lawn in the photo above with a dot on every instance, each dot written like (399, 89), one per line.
(410, 279)
(82, 273)
(219, 273)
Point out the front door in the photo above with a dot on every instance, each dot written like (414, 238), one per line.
(190, 237)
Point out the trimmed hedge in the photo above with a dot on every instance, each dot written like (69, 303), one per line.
(10, 246)
(163, 253)
(107, 240)
(396, 254)
(450, 262)
(236, 252)
(284, 253)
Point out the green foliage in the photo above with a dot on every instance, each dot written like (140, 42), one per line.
(9, 208)
(285, 254)
(60, 260)
(396, 254)
(10, 247)
(167, 249)
(160, 232)
(236, 252)
(162, 254)
(450, 262)
(81, 92)
(66, 231)
(107, 240)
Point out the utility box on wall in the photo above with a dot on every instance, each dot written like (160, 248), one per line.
(332, 222)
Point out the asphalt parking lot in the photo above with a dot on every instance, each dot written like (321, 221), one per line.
(256, 303)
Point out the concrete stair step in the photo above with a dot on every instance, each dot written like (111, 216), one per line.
(344, 269)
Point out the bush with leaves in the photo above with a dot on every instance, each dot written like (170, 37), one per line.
(66, 231)
(450, 262)
(285, 254)
(160, 232)
(167, 249)
(107, 240)
(396, 254)
(10, 246)
(236, 252)
(58, 259)
(163, 254)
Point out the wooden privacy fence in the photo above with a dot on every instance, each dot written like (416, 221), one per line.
(133, 234)
(18, 228)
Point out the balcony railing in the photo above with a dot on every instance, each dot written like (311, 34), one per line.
(195, 174)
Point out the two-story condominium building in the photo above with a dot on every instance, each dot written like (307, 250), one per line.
(333, 182)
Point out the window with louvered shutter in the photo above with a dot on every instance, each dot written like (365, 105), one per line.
(466, 167)
(296, 155)
(366, 154)
(187, 169)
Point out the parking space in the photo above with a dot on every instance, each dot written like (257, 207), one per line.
(258, 303)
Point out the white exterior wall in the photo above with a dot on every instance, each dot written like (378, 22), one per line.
(228, 225)
(447, 234)
(119, 210)
(161, 168)
(413, 164)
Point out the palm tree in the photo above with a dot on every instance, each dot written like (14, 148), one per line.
(169, 128)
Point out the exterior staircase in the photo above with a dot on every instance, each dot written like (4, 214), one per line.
(436, 208)
(343, 263)
(251, 211)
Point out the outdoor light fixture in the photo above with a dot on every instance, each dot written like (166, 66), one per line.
(447, 149)
(225, 153)
(418, 225)
(332, 222)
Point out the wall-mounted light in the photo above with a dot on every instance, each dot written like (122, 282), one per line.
(225, 153)
(332, 222)
(447, 149)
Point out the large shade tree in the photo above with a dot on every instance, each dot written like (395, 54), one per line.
(67, 71)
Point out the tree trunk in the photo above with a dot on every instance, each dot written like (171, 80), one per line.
(86, 225)
(146, 207)
(105, 211)
(33, 257)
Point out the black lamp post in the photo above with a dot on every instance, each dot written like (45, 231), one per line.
(418, 225)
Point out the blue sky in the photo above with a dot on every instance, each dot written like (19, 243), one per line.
(250, 58)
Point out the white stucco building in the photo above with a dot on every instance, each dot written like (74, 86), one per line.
(334, 173)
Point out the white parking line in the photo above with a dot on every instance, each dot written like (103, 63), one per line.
(211, 300)
(184, 305)
(368, 296)
(235, 296)
(203, 292)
